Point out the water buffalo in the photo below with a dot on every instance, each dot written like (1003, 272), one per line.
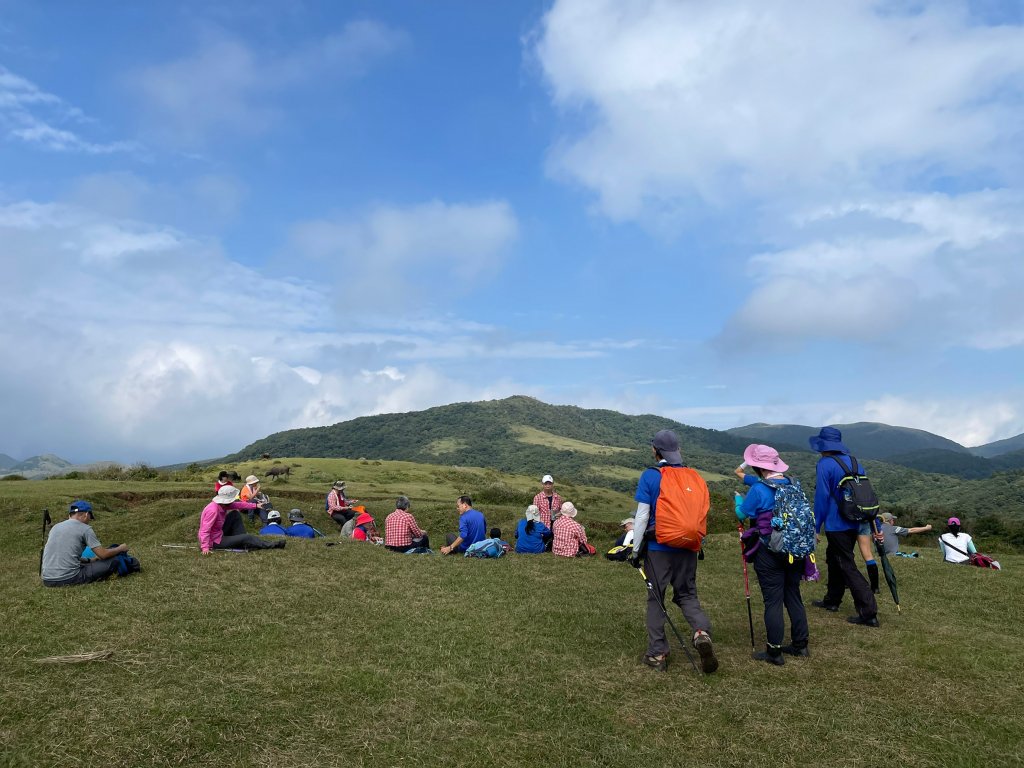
(276, 472)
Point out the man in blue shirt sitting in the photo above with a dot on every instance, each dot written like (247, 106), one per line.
(273, 526)
(472, 527)
(299, 527)
(840, 533)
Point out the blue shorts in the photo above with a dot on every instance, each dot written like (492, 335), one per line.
(865, 529)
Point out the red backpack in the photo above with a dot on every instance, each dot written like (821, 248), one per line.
(681, 514)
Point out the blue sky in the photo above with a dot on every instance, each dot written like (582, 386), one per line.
(223, 219)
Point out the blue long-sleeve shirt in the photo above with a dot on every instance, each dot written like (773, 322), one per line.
(826, 508)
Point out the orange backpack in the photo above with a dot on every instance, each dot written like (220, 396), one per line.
(681, 514)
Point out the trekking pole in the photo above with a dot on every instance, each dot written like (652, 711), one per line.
(746, 589)
(668, 618)
(46, 523)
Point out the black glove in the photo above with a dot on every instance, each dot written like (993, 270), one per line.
(635, 559)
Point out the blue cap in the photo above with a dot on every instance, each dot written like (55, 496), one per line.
(81, 506)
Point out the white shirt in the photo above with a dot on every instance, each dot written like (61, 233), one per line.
(960, 541)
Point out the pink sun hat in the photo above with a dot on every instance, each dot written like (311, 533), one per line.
(764, 457)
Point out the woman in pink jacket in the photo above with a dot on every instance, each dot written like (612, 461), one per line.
(214, 534)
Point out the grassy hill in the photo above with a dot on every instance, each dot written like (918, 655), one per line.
(353, 656)
(1000, 447)
(865, 439)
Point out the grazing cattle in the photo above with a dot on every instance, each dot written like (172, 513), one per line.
(276, 472)
(265, 456)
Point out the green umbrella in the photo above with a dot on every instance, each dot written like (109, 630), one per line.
(890, 575)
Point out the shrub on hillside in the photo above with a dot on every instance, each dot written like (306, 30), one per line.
(11, 478)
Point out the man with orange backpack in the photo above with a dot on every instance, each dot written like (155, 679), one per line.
(670, 525)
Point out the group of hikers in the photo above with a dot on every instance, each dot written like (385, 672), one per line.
(779, 531)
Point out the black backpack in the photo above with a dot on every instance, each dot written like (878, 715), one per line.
(857, 500)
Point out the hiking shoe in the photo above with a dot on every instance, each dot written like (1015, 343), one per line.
(279, 544)
(872, 622)
(659, 663)
(708, 662)
(792, 650)
(827, 606)
(777, 660)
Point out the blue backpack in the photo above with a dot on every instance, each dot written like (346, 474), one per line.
(486, 548)
(792, 522)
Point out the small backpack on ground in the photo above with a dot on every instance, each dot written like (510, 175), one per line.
(486, 548)
(681, 514)
(794, 535)
(125, 564)
(857, 500)
(619, 553)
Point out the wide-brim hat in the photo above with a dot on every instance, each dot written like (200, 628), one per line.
(764, 457)
(627, 521)
(364, 518)
(533, 513)
(251, 480)
(828, 439)
(338, 485)
(296, 516)
(667, 443)
(568, 509)
(226, 494)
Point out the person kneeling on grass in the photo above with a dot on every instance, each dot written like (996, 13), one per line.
(531, 534)
(299, 528)
(221, 526)
(401, 531)
(273, 526)
(570, 538)
(62, 556)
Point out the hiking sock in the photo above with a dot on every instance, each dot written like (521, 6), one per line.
(873, 574)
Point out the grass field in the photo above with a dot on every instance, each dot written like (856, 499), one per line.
(351, 655)
(533, 436)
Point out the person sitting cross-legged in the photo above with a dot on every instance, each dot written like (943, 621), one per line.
(570, 538)
(299, 528)
(401, 531)
(273, 526)
(532, 535)
(62, 555)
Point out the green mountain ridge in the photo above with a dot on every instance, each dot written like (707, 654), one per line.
(6, 462)
(865, 439)
(1000, 447)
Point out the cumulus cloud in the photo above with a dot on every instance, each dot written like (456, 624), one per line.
(390, 251)
(230, 85)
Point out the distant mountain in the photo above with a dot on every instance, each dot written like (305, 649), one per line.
(48, 465)
(999, 447)
(6, 462)
(865, 439)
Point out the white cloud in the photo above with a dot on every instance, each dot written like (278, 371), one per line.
(968, 421)
(730, 99)
(436, 247)
(229, 85)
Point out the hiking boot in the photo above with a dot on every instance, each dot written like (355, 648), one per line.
(792, 650)
(702, 642)
(659, 663)
(871, 622)
(827, 606)
(777, 659)
(279, 544)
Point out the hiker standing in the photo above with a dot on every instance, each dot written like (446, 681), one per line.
(339, 508)
(531, 534)
(671, 564)
(472, 527)
(218, 531)
(569, 538)
(778, 574)
(841, 534)
(401, 531)
(547, 501)
(62, 554)
(893, 533)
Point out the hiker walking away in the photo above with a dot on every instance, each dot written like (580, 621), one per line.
(62, 555)
(531, 534)
(366, 529)
(401, 531)
(672, 564)
(219, 525)
(569, 538)
(472, 528)
(547, 501)
(251, 492)
(339, 508)
(299, 528)
(841, 534)
(893, 533)
(273, 526)
(777, 573)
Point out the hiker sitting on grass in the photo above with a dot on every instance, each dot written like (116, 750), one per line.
(251, 492)
(366, 529)
(299, 528)
(221, 526)
(569, 538)
(339, 508)
(893, 533)
(62, 555)
(958, 547)
(472, 528)
(626, 539)
(273, 526)
(531, 534)
(495, 535)
(401, 531)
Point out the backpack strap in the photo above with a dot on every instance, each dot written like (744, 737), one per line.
(851, 471)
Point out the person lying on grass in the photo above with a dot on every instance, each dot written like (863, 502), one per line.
(62, 555)
(221, 527)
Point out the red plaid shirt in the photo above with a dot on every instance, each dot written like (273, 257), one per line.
(336, 502)
(400, 529)
(541, 502)
(568, 536)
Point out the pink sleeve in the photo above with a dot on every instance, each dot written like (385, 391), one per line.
(206, 521)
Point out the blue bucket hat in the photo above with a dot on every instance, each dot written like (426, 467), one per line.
(828, 439)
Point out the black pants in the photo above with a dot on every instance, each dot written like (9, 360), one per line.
(248, 541)
(96, 570)
(780, 586)
(422, 542)
(342, 517)
(233, 525)
(843, 573)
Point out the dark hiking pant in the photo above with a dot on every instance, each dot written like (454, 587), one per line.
(421, 542)
(342, 517)
(843, 573)
(678, 570)
(780, 586)
(233, 524)
(247, 541)
(95, 570)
